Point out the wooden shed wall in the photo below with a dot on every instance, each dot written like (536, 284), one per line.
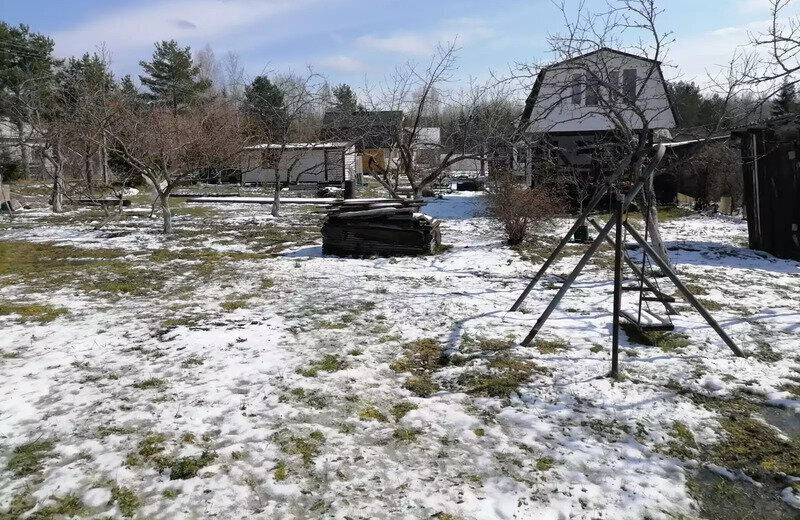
(771, 169)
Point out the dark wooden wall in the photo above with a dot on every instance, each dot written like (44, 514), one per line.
(771, 169)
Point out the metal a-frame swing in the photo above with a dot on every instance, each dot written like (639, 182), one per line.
(619, 221)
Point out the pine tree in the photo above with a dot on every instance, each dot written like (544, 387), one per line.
(264, 104)
(26, 75)
(785, 102)
(171, 77)
(345, 99)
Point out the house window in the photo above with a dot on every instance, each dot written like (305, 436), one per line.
(592, 92)
(629, 83)
(613, 80)
(577, 86)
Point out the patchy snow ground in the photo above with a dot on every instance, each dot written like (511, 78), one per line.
(283, 403)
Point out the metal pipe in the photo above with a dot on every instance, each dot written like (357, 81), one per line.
(617, 290)
(589, 208)
(635, 269)
(682, 288)
(581, 264)
(568, 282)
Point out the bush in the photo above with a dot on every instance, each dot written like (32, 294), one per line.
(521, 210)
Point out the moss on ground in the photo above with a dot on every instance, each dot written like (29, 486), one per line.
(328, 363)
(370, 413)
(501, 377)
(399, 410)
(127, 501)
(550, 346)
(307, 447)
(27, 459)
(27, 312)
(422, 356)
(665, 340)
(422, 385)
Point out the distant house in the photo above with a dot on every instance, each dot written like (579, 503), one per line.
(328, 163)
(568, 107)
(11, 146)
(374, 133)
(426, 147)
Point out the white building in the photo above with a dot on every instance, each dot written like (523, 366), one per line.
(301, 163)
(575, 104)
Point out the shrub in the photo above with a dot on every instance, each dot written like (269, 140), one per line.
(519, 209)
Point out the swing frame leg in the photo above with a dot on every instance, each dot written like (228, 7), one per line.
(682, 288)
(617, 289)
(633, 267)
(595, 200)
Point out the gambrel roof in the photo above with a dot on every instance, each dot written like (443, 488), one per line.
(533, 97)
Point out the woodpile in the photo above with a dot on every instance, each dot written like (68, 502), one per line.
(384, 227)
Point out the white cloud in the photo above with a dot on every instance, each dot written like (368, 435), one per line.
(405, 43)
(342, 63)
(699, 56)
(140, 26)
(463, 30)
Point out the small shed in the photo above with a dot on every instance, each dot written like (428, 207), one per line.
(329, 163)
(771, 169)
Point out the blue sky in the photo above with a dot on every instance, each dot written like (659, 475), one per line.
(350, 40)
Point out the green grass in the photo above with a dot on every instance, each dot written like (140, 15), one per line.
(503, 376)
(545, 464)
(421, 385)
(233, 305)
(665, 340)
(126, 500)
(328, 363)
(308, 448)
(187, 467)
(550, 346)
(399, 410)
(370, 413)
(27, 459)
(755, 448)
(281, 472)
(32, 312)
(406, 434)
(150, 384)
(421, 357)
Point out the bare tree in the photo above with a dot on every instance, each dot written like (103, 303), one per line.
(421, 94)
(590, 85)
(168, 148)
(284, 110)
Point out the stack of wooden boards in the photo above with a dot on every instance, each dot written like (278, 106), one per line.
(383, 227)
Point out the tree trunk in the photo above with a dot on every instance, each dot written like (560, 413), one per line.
(276, 201)
(58, 189)
(104, 161)
(23, 149)
(417, 192)
(166, 212)
(89, 166)
(651, 220)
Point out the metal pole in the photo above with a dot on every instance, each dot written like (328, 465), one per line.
(682, 288)
(552, 258)
(617, 289)
(601, 236)
(634, 268)
(568, 282)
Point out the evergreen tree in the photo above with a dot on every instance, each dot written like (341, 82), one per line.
(127, 88)
(26, 75)
(171, 77)
(264, 104)
(786, 100)
(345, 99)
